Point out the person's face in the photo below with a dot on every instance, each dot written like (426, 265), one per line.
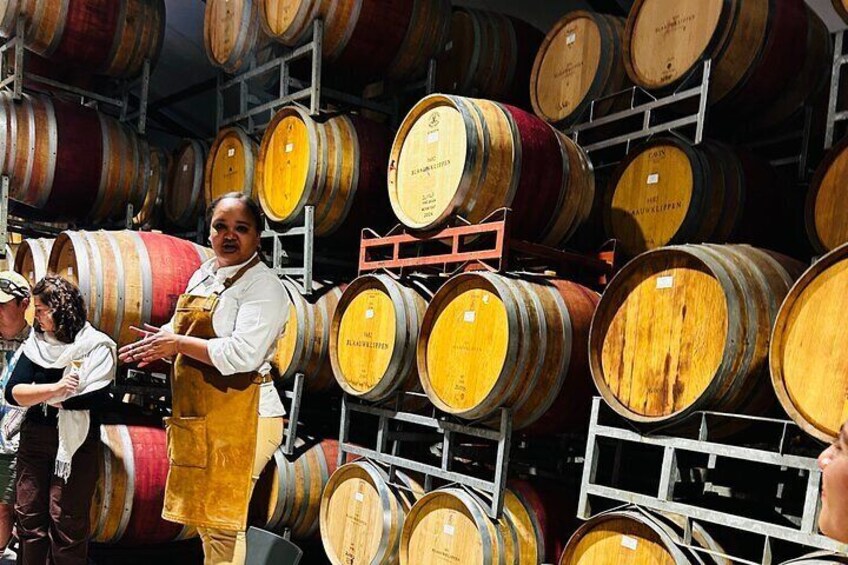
(833, 462)
(43, 315)
(12, 319)
(233, 233)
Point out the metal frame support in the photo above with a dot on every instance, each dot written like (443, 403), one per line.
(16, 82)
(296, 396)
(839, 60)
(804, 534)
(279, 259)
(686, 91)
(385, 454)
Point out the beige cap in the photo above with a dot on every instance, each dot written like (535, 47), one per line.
(13, 285)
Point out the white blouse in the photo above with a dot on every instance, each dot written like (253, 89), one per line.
(249, 319)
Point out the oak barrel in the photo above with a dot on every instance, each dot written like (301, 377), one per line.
(233, 35)
(579, 62)
(337, 165)
(127, 505)
(634, 537)
(686, 328)
(490, 340)
(362, 513)
(369, 38)
(488, 55)
(450, 525)
(69, 161)
(753, 44)
(230, 164)
(126, 277)
(807, 357)
(374, 334)
(32, 258)
(109, 37)
(304, 346)
(148, 214)
(288, 493)
(469, 157)
(827, 226)
(184, 199)
(668, 191)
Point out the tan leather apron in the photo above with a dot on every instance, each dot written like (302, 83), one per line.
(212, 433)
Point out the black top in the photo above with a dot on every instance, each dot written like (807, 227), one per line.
(27, 372)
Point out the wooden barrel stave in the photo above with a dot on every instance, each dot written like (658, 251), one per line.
(230, 164)
(101, 36)
(450, 138)
(375, 358)
(634, 536)
(183, 200)
(114, 271)
(522, 351)
(149, 212)
(369, 530)
(32, 258)
(288, 493)
(579, 62)
(727, 295)
(304, 346)
(338, 166)
(129, 496)
(806, 353)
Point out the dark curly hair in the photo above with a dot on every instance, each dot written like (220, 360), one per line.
(67, 304)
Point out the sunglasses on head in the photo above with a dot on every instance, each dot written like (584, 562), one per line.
(16, 290)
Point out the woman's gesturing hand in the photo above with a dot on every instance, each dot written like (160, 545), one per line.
(155, 344)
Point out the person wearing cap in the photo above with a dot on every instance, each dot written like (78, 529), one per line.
(62, 375)
(14, 329)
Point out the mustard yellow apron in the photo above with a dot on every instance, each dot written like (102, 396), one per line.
(212, 433)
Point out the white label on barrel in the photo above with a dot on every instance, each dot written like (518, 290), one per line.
(654, 178)
(448, 529)
(449, 46)
(570, 38)
(289, 147)
(485, 299)
(470, 316)
(665, 282)
(369, 313)
(231, 152)
(628, 542)
(359, 496)
(433, 137)
(185, 168)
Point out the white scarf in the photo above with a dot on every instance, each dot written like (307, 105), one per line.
(94, 374)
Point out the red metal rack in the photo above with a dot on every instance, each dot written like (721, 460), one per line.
(487, 245)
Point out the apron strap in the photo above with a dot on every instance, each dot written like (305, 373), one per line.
(233, 279)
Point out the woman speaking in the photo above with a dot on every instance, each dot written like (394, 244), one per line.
(227, 416)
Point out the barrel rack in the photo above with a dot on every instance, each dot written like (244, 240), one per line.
(256, 107)
(461, 246)
(795, 500)
(487, 245)
(835, 115)
(684, 112)
(18, 73)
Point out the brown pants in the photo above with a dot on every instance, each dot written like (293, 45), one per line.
(227, 547)
(53, 516)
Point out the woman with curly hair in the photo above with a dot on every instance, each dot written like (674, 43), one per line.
(62, 376)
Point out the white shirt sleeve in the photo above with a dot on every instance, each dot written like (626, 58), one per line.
(262, 311)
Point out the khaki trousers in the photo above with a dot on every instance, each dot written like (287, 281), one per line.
(226, 547)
